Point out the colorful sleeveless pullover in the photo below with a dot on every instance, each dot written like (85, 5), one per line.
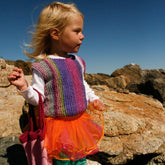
(64, 88)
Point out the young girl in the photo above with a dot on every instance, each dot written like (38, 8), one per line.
(71, 132)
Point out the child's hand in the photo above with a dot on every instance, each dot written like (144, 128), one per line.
(97, 104)
(17, 78)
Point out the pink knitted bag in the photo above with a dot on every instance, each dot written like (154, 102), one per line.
(33, 139)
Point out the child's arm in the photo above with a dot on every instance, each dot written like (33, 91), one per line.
(17, 78)
(92, 98)
(30, 95)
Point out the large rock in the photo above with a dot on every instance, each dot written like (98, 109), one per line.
(96, 79)
(152, 82)
(11, 110)
(134, 125)
(132, 71)
(5, 69)
(132, 78)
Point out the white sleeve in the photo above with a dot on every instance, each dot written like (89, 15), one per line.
(90, 95)
(30, 95)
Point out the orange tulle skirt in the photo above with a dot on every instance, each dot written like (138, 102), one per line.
(73, 138)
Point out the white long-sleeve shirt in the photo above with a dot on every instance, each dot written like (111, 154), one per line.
(31, 96)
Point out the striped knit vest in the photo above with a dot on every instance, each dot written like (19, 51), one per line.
(64, 88)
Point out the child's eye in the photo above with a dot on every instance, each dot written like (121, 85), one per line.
(77, 30)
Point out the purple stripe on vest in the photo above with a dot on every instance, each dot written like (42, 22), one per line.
(75, 72)
(80, 88)
(67, 85)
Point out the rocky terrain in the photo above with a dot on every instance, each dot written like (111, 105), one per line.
(134, 117)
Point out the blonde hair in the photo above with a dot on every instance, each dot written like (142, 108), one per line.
(55, 15)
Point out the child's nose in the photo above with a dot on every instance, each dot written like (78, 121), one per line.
(82, 36)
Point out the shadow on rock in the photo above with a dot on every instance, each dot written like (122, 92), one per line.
(24, 118)
(100, 157)
(16, 155)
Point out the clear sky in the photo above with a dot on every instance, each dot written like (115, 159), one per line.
(117, 32)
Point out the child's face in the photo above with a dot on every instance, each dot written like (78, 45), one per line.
(72, 36)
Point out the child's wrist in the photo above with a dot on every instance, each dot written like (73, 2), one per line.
(23, 88)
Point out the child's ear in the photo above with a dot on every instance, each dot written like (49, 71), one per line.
(54, 33)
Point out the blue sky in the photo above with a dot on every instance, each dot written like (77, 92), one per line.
(117, 32)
